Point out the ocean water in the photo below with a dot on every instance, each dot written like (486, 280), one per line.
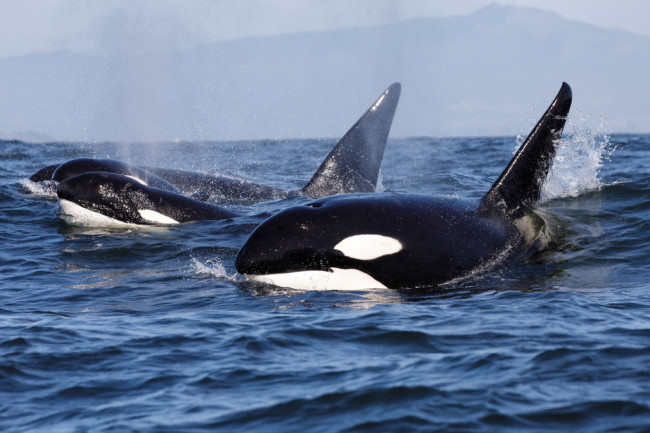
(152, 330)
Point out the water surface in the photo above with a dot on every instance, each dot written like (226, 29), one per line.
(152, 330)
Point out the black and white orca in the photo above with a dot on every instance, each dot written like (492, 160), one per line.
(100, 198)
(352, 166)
(368, 241)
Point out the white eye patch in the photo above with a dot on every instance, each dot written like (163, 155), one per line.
(368, 247)
(155, 217)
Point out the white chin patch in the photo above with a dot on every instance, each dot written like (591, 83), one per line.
(79, 216)
(155, 217)
(337, 279)
(368, 247)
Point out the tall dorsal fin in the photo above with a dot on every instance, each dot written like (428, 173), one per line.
(521, 182)
(353, 165)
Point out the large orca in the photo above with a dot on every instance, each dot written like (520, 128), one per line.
(352, 166)
(366, 241)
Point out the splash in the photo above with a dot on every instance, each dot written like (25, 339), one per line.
(579, 159)
(45, 189)
(212, 267)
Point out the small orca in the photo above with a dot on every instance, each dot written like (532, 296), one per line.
(101, 198)
(79, 166)
(389, 240)
(352, 166)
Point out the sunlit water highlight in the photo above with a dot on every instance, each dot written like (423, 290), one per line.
(106, 329)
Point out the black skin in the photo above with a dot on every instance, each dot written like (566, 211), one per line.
(442, 239)
(120, 197)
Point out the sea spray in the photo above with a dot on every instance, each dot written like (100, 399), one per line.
(46, 189)
(212, 267)
(580, 156)
(579, 160)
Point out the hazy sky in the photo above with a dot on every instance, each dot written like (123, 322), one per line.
(28, 26)
(134, 86)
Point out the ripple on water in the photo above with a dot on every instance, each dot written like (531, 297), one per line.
(152, 330)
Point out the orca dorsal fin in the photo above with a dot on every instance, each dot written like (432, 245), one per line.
(353, 164)
(521, 182)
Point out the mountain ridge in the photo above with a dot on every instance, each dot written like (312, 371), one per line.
(477, 74)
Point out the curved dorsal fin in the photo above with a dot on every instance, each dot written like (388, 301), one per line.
(353, 164)
(521, 182)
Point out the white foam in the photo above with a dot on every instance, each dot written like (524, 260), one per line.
(213, 267)
(336, 279)
(368, 246)
(156, 217)
(46, 188)
(578, 161)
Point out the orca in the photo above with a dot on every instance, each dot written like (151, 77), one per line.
(103, 198)
(79, 166)
(400, 241)
(352, 166)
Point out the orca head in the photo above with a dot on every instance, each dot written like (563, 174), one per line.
(122, 199)
(334, 243)
(79, 166)
(112, 195)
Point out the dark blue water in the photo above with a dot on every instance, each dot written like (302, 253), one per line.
(152, 331)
